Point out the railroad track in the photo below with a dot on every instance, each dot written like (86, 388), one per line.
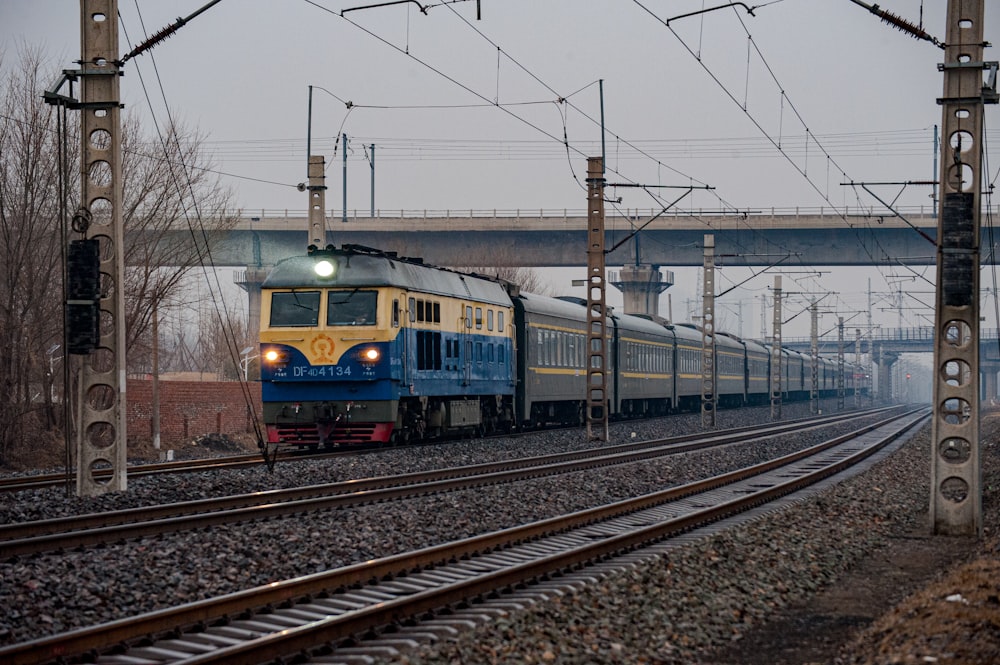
(77, 531)
(331, 609)
(40, 481)
(45, 480)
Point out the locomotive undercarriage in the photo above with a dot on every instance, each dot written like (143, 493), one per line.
(328, 423)
(441, 417)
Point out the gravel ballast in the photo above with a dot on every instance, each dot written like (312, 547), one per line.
(700, 597)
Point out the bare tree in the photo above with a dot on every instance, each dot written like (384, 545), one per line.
(500, 264)
(174, 212)
(30, 272)
(220, 341)
(167, 187)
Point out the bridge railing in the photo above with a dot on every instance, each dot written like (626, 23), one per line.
(914, 334)
(874, 213)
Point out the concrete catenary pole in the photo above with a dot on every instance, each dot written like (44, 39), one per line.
(99, 417)
(858, 380)
(840, 363)
(956, 483)
(814, 357)
(776, 352)
(597, 352)
(708, 369)
(317, 201)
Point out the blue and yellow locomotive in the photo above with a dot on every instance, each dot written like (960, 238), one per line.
(360, 345)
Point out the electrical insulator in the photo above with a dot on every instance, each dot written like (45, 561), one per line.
(83, 296)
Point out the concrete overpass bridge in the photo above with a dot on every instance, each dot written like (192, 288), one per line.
(557, 238)
(897, 340)
(886, 345)
(791, 236)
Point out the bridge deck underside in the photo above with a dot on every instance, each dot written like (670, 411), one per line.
(567, 248)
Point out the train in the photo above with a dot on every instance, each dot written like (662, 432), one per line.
(359, 345)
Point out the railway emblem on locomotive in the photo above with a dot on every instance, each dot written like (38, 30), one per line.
(322, 348)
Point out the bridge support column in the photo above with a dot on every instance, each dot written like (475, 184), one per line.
(641, 286)
(250, 281)
(989, 371)
(885, 360)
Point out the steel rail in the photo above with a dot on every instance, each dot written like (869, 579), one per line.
(44, 480)
(306, 637)
(40, 481)
(172, 622)
(95, 528)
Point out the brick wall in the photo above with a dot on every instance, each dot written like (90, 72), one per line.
(189, 409)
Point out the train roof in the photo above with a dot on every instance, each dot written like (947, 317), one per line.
(755, 346)
(571, 307)
(563, 307)
(692, 334)
(362, 268)
(642, 324)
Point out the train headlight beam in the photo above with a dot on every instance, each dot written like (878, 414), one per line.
(324, 268)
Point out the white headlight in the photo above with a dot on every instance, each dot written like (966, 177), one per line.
(371, 355)
(323, 268)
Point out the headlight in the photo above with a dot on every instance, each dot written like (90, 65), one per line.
(275, 356)
(324, 268)
(370, 355)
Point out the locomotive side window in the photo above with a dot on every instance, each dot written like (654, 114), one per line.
(395, 313)
(429, 349)
(294, 308)
(468, 316)
(351, 308)
(437, 312)
(479, 318)
(421, 349)
(500, 320)
(413, 310)
(420, 310)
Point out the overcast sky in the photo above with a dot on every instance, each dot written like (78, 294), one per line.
(466, 114)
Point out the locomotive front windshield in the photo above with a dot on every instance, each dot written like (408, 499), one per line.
(351, 308)
(294, 308)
